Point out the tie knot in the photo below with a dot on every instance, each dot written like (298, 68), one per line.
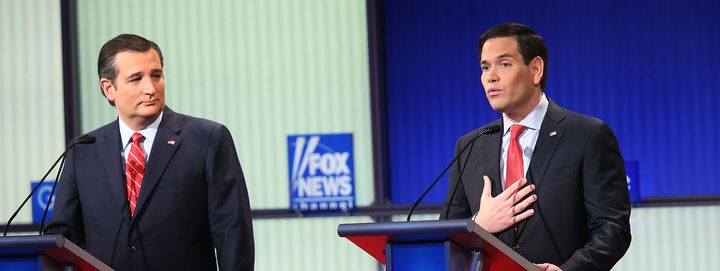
(516, 130)
(137, 137)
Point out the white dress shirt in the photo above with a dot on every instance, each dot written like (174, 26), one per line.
(148, 132)
(527, 138)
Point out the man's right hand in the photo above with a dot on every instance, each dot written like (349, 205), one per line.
(500, 213)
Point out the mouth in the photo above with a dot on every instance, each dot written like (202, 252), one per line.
(149, 103)
(493, 92)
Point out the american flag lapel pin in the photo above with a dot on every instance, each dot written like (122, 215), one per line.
(553, 133)
(171, 142)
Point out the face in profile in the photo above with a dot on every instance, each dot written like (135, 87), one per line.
(139, 90)
(511, 86)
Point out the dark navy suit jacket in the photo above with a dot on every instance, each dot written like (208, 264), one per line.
(193, 200)
(582, 213)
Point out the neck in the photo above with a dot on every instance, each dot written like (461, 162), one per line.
(138, 123)
(521, 112)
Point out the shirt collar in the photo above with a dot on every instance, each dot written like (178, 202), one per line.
(126, 132)
(533, 120)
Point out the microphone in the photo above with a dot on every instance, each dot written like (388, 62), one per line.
(83, 139)
(487, 131)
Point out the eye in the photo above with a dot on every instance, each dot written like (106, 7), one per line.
(485, 67)
(505, 64)
(134, 80)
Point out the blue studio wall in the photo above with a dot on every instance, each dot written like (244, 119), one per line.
(649, 68)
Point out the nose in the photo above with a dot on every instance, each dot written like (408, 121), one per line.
(491, 75)
(148, 86)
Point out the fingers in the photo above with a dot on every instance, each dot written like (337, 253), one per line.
(510, 191)
(522, 216)
(524, 204)
(547, 267)
(524, 192)
(487, 189)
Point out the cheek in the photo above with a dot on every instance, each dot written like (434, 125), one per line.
(516, 82)
(125, 96)
(160, 88)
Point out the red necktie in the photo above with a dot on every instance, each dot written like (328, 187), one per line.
(134, 170)
(514, 160)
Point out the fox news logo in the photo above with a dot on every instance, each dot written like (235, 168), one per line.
(321, 172)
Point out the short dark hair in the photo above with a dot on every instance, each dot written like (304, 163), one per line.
(121, 43)
(530, 43)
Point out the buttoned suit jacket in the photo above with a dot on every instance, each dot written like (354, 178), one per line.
(581, 216)
(193, 200)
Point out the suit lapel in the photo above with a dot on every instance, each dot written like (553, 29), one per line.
(167, 141)
(494, 151)
(110, 148)
(489, 162)
(551, 132)
(484, 160)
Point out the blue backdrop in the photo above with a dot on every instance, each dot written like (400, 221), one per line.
(649, 68)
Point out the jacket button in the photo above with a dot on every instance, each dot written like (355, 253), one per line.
(516, 247)
(132, 249)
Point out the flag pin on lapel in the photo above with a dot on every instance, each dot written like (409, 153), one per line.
(171, 142)
(553, 133)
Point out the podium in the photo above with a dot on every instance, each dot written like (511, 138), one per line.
(448, 245)
(45, 252)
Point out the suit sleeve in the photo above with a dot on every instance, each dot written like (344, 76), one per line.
(228, 204)
(67, 218)
(607, 204)
(458, 204)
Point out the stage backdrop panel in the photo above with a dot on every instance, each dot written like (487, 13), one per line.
(648, 68)
(265, 69)
(31, 108)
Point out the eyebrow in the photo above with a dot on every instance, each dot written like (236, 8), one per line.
(134, 75)
(153, 71)
(505, 55)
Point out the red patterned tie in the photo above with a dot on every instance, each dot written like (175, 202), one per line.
(514, 156)
(134, 170)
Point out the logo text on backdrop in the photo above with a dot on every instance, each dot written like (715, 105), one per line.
(321, 172)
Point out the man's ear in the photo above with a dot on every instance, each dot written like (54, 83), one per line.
(108, 88)
(537, 69)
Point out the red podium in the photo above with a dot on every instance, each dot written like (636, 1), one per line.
(434, 245)
(45, 252)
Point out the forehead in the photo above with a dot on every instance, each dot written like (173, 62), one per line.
(132, 61)
(498, 48)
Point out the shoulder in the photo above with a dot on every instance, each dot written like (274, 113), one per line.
(103, 131)
(587, 130)
(197, 129)
(172, 119)
(572, 119)
(474, 133)
(585, 124)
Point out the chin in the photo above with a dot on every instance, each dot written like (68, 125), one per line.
(150, 112)
(497, 106)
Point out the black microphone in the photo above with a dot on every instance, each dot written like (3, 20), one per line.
(83, 139)
(487, 131)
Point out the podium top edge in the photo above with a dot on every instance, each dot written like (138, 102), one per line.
(29, 244)
(45, 241)
(406, 227)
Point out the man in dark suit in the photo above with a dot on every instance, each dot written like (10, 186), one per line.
(552, 183)
(158, 190)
